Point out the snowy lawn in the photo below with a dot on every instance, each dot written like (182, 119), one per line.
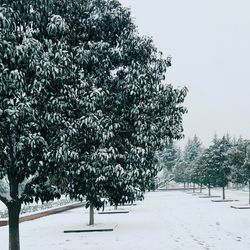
(163, 221)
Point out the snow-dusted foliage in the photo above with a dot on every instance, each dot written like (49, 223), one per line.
(186, 169)
(82, 102)
(193, 149)
(238, 156)
(212, 167)
(239, 160)
(167, 161)
(125, 113)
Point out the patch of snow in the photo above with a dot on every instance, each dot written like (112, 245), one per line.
(5, 188)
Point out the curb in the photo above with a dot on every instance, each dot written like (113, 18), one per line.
(44, 213)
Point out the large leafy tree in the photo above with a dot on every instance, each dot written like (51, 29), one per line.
(47, 95)
(35, 80)
(133, 116)
(80, 91)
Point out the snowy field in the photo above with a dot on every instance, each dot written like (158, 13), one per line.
(163, 221)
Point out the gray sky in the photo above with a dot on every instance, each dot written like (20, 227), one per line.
(209, 41)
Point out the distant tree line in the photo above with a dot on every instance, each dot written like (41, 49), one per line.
(225, 161)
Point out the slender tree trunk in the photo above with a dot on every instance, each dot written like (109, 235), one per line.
(249, 191)
(223, 193)
(201, 188)
(91, 214)
(115, 207)
(184, 185)
(193, 187)
(209, 190)
(14, 211)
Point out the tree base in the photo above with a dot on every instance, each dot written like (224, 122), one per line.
(241, 206)
(211, 196)
(40, 214)
(92, 228)
(114, 212)
(226, 200)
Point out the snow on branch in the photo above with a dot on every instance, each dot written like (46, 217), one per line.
(5, 190)
(25, 182)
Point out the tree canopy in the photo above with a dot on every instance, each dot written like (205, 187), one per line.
(82, 98)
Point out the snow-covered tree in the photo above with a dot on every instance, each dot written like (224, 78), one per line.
(246, 169)
(180, 172)
(239, 160)
(192, 149)
(202, 172)
(236, 157)
(167, 160)
(134, 114)
(81, 98)
(51, 53)
(35, 78)
(215, 166)
(170, 156)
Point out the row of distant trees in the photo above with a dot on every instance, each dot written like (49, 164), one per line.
(83, 105)
(225, 161)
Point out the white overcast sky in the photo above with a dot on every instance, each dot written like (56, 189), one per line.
(209, 41)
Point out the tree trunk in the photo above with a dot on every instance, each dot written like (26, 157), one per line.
(185, 185)
(193, 187)
(249, 191)
(223, 193)
(91, 214)
(115, 207)
(14, 211)
(209, 190)
(200, 188)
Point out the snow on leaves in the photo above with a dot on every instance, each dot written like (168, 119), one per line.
(83, 100)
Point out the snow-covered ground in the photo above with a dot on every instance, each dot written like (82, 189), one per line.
(164, 220)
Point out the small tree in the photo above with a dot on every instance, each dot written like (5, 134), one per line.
(167, 160)
(204, 170)
(192, 151)
(246, 169)
(180, 173)
(239, 160)
(216, 168)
